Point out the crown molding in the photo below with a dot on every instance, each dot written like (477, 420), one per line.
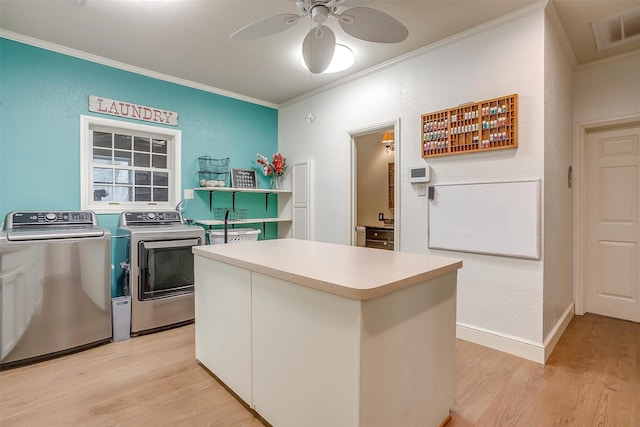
(491, 24)
(126, 67)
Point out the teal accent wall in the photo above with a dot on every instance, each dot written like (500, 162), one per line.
(44, 93)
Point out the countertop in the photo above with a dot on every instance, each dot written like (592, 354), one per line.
(385, 227)
(349, 271)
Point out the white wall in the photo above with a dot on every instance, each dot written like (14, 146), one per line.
(558, 197)
(608, 90)
(502, 296)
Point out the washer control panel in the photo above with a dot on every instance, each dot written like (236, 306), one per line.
(150, 218)
(52, 218)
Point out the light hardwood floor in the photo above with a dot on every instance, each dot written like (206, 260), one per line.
(592, 378)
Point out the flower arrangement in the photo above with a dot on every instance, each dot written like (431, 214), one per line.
(275, 168)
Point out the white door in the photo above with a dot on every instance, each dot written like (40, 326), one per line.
(613, 229)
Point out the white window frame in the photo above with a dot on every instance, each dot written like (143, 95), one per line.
(86, 165)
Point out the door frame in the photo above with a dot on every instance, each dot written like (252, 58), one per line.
(580, 200)
(395, 124)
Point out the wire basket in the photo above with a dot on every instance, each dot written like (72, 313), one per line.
(236, 235)
(213, 179)
(211, 165)
(234, 215)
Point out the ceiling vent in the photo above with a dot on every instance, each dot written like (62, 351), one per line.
(618, 29)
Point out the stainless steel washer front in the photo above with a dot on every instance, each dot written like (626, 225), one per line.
(55, 285)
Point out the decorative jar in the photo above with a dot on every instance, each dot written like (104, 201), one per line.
(276, 182)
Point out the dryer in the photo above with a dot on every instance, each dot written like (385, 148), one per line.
(158, 268)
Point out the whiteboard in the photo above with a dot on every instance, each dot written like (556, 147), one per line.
(498, 218)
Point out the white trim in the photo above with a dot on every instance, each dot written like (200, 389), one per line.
(613, 58)
(85, 157)
(397, 170)
(494, 23)
(501, 342)
(501, 20)
(306, 204)
(505, 19)
(557, 331)
(126, 67)
(526, 349)
(556, 23)
(580, 202)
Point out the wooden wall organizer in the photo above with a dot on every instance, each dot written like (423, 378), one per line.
(471, 128)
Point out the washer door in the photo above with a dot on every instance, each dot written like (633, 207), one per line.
(166, 268)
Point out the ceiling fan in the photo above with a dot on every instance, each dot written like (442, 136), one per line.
(360, 22)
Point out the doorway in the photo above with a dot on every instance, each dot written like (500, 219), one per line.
(374, 193)
(608, 233)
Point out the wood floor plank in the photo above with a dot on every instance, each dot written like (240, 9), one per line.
(148, 380)
(592, 378)
(480, 378)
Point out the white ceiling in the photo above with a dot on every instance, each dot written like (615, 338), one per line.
(189, 39)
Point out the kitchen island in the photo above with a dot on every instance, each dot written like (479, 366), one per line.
(317, 334)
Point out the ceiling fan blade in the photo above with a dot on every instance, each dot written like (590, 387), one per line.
(342, 3)
(318, 48)
(266, 27)
(352, 3)
(372, 25)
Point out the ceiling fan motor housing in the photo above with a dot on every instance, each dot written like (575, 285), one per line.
(319, 13)
(305, 6)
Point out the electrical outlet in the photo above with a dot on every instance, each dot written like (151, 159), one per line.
(188, 193)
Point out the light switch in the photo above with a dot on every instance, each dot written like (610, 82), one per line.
(188, 193)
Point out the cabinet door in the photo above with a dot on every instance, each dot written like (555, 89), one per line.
(8, 285)
(16, 307)
(305, 355)
(223, 323)
(301, 197)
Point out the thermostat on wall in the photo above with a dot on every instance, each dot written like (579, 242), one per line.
(419, 174)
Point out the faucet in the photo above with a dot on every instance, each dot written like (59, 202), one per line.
(226, 226)
(180, 206)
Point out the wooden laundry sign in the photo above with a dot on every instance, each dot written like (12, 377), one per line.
(112, 107)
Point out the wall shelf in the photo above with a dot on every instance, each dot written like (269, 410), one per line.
(233, 191)
(475, 127)
(214, 222)
(209, 223)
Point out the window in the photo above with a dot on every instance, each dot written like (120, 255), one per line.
(128, 166)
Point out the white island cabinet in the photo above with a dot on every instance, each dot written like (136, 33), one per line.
(316, 334)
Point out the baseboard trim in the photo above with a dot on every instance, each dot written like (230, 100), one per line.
(554, 336)
(529, 350)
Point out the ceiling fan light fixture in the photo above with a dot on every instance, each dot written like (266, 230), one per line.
(343, 58)
(318, 46)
